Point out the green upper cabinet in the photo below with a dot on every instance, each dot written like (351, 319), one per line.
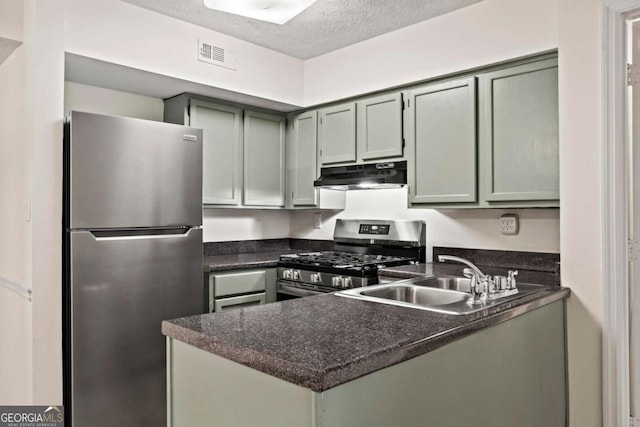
(380, 127)
(243, 151)
(264, 168)
(441, 140)
(519, 133)
(222, 151)
(302, 165)
(337, 134)
(487, 139)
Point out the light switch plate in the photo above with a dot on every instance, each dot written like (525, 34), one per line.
(509, 224)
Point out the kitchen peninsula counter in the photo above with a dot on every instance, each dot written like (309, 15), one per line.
(329, 361)
(324, 341)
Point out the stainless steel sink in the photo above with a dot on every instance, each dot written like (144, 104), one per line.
(452, 283)
(416, 295)
(444, 294)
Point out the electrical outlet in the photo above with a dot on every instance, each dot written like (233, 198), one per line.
(509, 224)
(317, 221)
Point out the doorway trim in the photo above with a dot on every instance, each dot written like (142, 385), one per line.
(615, 200)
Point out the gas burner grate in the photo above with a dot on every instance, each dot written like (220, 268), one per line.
(342, 260)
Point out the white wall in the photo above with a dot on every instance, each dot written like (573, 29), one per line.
(11, 19)
(97, 100)
(473, 228)
(580, 63)
(118, 32)
(15, 236)
(44, 95)
(483, 33)
(243, 224)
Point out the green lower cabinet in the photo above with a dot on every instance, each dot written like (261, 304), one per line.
(239, 288)
(511, 374)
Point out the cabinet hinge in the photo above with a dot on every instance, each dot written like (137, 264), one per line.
(320, 120)
(321, 152)
(634, 422)
(633, 74)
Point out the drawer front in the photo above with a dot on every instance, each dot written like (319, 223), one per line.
(239, 283)
(240, 301)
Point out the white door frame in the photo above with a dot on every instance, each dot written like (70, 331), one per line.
(615, 215)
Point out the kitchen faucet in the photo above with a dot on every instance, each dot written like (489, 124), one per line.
(479, 274)
(482, 286)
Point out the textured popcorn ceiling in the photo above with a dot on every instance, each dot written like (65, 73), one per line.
(325, 26)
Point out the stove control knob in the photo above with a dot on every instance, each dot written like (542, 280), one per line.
(347, 282)
(336, 281)
(295, 274)
(315, 278)
(286, 274)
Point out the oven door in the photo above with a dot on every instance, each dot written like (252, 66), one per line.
(289, 290)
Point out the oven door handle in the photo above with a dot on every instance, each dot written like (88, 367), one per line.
(295, 291)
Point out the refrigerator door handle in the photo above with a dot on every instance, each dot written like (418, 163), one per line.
(164, 233)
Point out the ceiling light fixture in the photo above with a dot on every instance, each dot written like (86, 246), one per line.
(276, 11)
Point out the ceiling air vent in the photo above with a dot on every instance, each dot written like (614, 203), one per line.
(208, 52)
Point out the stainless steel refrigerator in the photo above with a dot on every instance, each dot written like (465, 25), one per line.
(133, 257)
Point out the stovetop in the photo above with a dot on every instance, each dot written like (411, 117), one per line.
(342, 261)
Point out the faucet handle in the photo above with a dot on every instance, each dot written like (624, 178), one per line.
(468, 273)
(489, 286)
(511, 279)
(476, 290)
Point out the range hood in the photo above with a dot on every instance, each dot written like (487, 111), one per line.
(368, 176)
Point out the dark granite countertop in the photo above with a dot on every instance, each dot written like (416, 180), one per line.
(442, 268)
(323, 341)
(245, 254)
(214, 263)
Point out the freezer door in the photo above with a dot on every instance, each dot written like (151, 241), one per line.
(122, 287)
(127, 173)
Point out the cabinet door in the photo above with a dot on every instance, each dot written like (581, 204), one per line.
(338, 134)
(441, 137)
(519, 132)
(263, 159)
(221, 151)
(303, 167)
(380, 127)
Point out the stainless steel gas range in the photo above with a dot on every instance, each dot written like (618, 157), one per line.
(361, 247)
